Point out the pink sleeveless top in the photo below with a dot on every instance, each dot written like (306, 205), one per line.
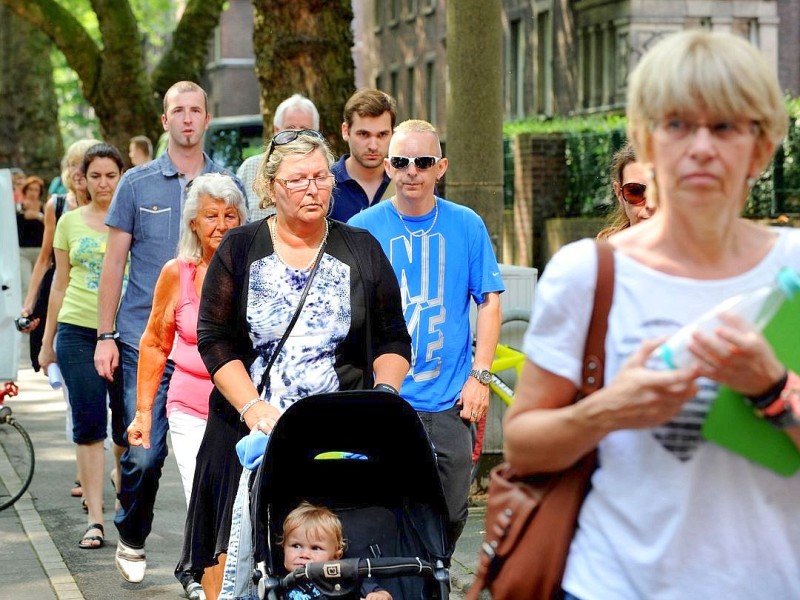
(191, 384)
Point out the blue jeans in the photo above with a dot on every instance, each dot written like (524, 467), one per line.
(141, 469)
(88, 391)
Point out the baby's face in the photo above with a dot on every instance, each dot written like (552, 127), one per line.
(302, 546)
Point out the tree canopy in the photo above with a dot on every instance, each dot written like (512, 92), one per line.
(110, 60)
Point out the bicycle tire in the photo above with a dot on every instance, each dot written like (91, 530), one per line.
(18, 462)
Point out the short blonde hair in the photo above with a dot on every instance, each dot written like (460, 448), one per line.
(271, 162)
(419, 126)
(320, 521)
(74, 155)
(700, 70)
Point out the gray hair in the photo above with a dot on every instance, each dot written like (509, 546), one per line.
(295, 101)
(215, 185)
(269, 165)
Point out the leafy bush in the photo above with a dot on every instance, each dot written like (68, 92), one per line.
(592, 140)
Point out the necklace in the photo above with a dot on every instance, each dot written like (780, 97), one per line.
(418, 233)
(273, 234)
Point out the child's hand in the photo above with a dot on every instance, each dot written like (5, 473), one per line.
(378, 595)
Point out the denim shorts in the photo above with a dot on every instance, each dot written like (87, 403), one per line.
(90, 395)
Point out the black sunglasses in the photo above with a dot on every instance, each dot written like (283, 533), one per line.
(633, 193)
(421, 162)
(287, 136)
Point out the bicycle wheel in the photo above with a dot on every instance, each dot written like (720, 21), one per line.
(17, 460)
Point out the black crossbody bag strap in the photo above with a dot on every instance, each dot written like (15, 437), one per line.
(265, 377)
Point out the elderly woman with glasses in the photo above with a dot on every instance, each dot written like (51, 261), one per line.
(629, 180)
(670, 514)
(349, 333)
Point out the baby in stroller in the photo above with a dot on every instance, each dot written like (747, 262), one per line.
(314, 534)
(381, 483)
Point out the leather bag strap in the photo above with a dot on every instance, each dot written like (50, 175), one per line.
(594, 353)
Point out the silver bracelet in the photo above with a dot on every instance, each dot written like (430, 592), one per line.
(247, 407)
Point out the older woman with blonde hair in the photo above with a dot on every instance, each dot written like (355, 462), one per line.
(669, 514)
(349, 333)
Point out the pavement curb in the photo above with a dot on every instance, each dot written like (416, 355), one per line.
(49, 557)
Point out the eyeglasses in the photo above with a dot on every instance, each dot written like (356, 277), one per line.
(679, 128)
(287, 136)
(295, 185)
(421, 162)
(633, 193)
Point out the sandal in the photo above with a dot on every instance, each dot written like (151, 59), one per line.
(93, 542)
(77, 490)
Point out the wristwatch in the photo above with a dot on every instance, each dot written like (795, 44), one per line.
(108, 335)
(484, 375)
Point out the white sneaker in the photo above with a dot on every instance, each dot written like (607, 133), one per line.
(194, 591)
(130, 562)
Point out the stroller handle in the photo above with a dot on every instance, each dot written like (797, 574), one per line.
(356, 569)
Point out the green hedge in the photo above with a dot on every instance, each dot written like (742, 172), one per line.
(591, 141)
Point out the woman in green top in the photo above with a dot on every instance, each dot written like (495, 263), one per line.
(80, 244)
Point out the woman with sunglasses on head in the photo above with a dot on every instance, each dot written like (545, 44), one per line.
(253, 288)
(629, 179)
(670, 514)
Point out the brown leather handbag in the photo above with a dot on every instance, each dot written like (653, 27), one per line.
(530, 520)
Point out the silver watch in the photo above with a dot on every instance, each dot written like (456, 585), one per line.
(483, 375)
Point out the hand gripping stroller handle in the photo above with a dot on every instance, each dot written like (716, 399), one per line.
(340, 577)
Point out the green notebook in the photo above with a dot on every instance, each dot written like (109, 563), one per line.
(733, 424)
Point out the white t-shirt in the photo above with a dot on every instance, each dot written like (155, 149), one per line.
(670, 515)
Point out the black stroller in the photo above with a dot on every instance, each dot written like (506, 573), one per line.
(388, 497)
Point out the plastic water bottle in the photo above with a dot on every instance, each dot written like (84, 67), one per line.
(757, 307)
(54, 376)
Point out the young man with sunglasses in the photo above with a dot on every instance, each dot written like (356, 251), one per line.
(361, 181)
(442, 256)
(144, 220)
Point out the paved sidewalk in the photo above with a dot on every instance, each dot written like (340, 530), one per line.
(38, 536)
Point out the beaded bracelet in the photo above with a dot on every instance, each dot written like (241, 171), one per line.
(247, 407)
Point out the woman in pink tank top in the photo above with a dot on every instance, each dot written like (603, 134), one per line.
(213, 205)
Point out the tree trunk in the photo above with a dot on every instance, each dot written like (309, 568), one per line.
(29, 135)
(113, 76)
(305, 47)
(475, 112)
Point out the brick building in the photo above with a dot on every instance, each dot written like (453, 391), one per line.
(561, 56)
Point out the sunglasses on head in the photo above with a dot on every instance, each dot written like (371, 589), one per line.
(633, 193)
(421, 162)
(287, 136)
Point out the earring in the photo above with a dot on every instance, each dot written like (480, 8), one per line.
(751, 181)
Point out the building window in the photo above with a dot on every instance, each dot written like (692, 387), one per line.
(516, 58)
(379, 81)
(393, 83)
(430, 91)
(393, 17)
(544, 61)
(377, 14)
(428, 7)
(705, 23)
(410, 9)
(411, 108)
(752, 32)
